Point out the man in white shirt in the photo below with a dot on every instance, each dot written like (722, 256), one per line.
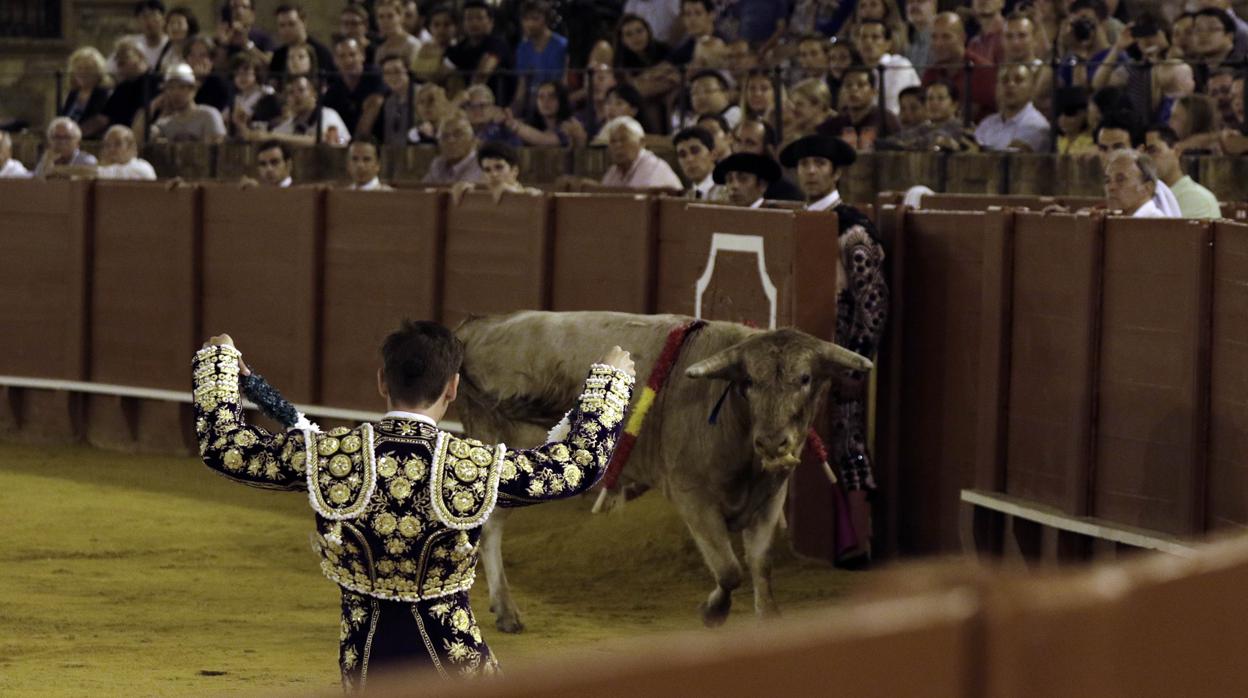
(747, 177)
(695, 155)
(632, 164)
(119, 158)
(63, 153)
(1017, 123)
(874, 39)
(10, 167)
(364, 165)
(1112, 137)
(273, 163)
(299, 127)
(710, 93)
(1130, 180)
(151, 39)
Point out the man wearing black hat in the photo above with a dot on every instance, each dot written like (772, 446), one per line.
(747, 176)
(861, 308)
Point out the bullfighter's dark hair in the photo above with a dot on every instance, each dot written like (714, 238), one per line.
(419, 359)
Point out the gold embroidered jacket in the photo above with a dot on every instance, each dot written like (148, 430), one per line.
(399, 504)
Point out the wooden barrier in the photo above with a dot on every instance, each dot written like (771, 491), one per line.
(382, 264)
(605, 252)
(497, 255)
(1228, 389)
(984, 173)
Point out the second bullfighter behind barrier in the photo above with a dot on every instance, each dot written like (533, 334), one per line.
(723, 475)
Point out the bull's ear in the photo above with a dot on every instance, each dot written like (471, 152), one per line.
(724, 365)
(833, 357)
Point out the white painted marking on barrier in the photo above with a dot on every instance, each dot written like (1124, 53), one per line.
(729, 242)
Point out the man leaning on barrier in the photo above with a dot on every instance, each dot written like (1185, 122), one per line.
(400, 503)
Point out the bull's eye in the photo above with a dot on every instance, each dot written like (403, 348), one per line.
(745, 384)
(805, 379)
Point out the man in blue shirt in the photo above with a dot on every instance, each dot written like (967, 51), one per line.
(542, 55)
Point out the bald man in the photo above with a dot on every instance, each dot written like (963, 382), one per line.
(950, 57)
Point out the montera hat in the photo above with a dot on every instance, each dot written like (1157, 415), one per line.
(838, 151)
(760, 166)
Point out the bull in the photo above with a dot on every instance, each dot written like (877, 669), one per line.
(522, 371)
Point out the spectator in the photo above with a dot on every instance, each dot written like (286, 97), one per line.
(809, 17)
(300, 115)
(180, 118)
(487, 119)
(1213, 38)
(151, 39)
(602, 78)
(873, 40)
(810, 105)
(943, 129)
(861, 121)
(64, 139)
(622, 100)
(211, 89)
(292, 30)
(353, 24)
(747, 176)
(1241, 27)
(432, 108)
(662, 15)
(758, 137)
(632, 165)
(431, 64)
(301, 60)
(1233, 140)
(1075, 134)
(812, 59)
(758, 96)
(397, 124)
(642, 61)
(880, 11)
(483, 56)
(500, 167)
(1174, 81)
(551, 122)
(715, 125)
(136, 86)
(1194, 200)
(1130, 180)
(1195, 119)
(738, 59)
(1112, 137)
(758, 23)
(273, 164)
(88, 91)
(180, 25)
(364, 165)
(710, 93)
(353, 83)
(1018, 46)
(1130, 63)
(542, 56)
(119, 158)
(989, 41)
(412, 21)
(1218, 87)
(238, 19)
(951, 61)
(1082, 42)
(912, 111)
(919, 17)
(395, 39)
(457, 154)
(1017, 124)
(694, 155)
(1182, 36)
(698, 19)
(10, 167)
(255, 103)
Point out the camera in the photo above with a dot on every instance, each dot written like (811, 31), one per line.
(1082, 29)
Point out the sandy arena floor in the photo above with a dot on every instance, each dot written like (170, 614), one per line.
(139, 575)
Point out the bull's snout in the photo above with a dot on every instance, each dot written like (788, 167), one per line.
(772, 445)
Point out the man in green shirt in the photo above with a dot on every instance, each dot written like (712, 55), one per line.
(1195, 201)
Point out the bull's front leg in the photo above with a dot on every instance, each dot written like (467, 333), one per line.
(506, 615)
(758, 536)
(710, 533)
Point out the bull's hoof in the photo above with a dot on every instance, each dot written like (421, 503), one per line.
(715, 609)
(509, 624)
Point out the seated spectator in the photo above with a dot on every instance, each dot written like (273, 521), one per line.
(10, 167)
(292, 30)
(632, 165)
(542, 56)
(758, 137)
(812, 59)
(943, 129)
(481, 54)
(920, 15)
(1194, 200)
(364, 165)
(180, 25)
(758, 23)
(1174, 81)
(1218, 87)
(488, 120)
(254, 102)
(1112, 137)
(1131, 62)
(758, 96)
(242, 18)
(642, 62)
(432, 108)
(861, 121)
(738, 59)
(1241, 26)
(211, 89)
(622, 100)
(500, 166)
(747, 177)
(551, 122)
(951, 61)
(181, 119)
(1082, 42)
(136, 87)
(119, 158)
(1017, 125)
(990, 40)
(1075, 133)
(64, 139)
(394, 115)
(1019, 45)
(353, 23)
(1182, 36)
(1213, 39)
(810, 106)
(149, 15)
(911, 111)
(873, 41)
(694, 155)
(841, 56)
(602, 78)
(395, 39)
(1233, 140)
(88, 91)
(274, 164)
(698, 19)
(710, 93)
(413, 22)
(1130, 180)
(457, 154)
(301, 61)
(353, 83)
(300, 115)
(879, 11)
(430, 63)
(1195, 118)
(663, 16)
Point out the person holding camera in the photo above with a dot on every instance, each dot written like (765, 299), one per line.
(1132, 59)
(1082, 42)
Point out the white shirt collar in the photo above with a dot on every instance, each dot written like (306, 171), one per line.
(372, 184)
(411, 416)
(758, 203)
(826, 202)
(285, 182)
(705, 186)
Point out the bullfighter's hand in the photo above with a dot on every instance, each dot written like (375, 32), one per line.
(618, 358)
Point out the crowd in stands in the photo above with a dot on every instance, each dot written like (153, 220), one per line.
(716, 77)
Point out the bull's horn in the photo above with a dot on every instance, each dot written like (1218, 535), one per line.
(840, 356)
(725, 364)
